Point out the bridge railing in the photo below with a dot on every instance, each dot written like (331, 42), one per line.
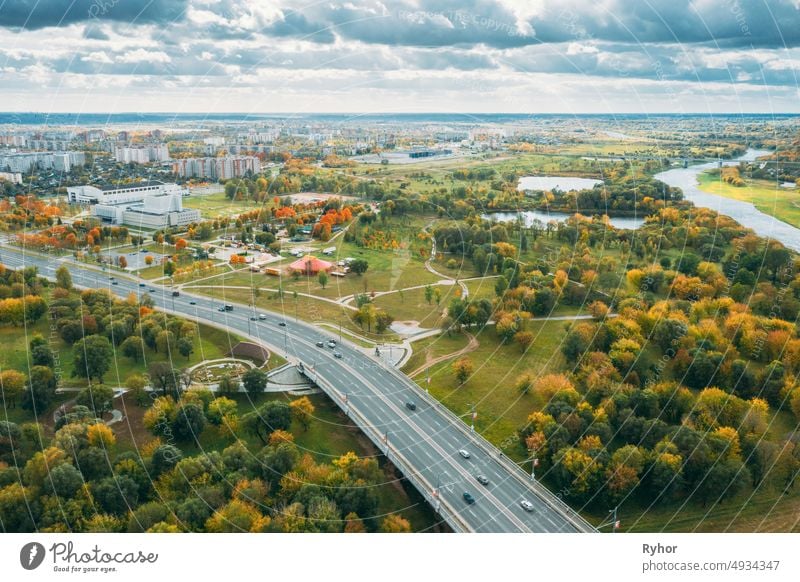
(514, 470)
(426, 489)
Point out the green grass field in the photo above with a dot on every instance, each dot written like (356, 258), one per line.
(501, 409)
(782, 203)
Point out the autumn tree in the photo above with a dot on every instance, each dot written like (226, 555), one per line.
(302, 411)
(463, 369)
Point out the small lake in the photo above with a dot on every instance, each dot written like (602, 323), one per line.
(529, 216)
(563, 183)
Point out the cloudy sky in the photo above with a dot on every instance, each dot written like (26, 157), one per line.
(400, 55)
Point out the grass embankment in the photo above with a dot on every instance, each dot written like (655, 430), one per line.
(766, 196)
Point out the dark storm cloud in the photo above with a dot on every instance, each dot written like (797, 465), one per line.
(760, 23)
(35, 14)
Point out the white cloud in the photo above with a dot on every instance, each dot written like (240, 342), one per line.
(97, 57)
(144, 56)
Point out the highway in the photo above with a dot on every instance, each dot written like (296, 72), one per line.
(422, 443)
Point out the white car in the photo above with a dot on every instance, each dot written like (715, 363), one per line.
(464, 453)
(526, 505)
(262, 316)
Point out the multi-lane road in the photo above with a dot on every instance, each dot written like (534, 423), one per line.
(423, 443)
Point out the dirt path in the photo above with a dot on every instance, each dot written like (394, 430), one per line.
(471, 346)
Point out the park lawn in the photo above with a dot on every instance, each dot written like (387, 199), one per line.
(765, 510)
(481, 288)
(782, 203)
(410, 305)
(501, 410)
(430, 348)
(215, 205)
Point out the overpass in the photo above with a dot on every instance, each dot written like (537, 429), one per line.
(423, 443)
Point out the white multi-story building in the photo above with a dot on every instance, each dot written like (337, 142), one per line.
(13, 177)
(144, 205)
(142, 154)
(25, 162)
(222, 168)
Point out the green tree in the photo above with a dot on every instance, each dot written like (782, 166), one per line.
(359, 266)
(266, 419)
(322, 278)
(463, 368)
(93, 356)
(254, 380)
(12, 385)
(41, 389)
(63, 278)
(228, 384)
(185, 346)
(189, 421)
(133, 348)
(97, 398)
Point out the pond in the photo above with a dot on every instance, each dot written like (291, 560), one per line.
(563, 183)
(529, 216)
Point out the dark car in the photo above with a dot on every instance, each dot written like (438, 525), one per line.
(142, 285)
(482, 479)
(115, 282)
(282, 324)
(192, 302)
(152, 290)
(176, 293)
(320, 345)
(411, 405)
(469, 498)
(337, 355)
(253, 318)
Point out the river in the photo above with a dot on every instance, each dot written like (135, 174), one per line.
(742, 212)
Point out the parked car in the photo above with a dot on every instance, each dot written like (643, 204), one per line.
(411, 405)
(469, 498)
(464, 453)
(526, 505)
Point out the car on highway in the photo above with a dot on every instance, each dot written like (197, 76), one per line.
(221, 308)
(228, 307)
(151, 290)
(337, 355)
(115, 282)
(482, 479)
(469, 498)
(331, 344)
(253, 318)
(192, 302)
(464, 453)
(282, 324)
(320, 344)
(262, 316)
(142, 285)
(526, 505)
(411, 405)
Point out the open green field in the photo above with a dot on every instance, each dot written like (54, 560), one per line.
(430, 348)
(769, 198)
(501, 409)
(215, 205)
(410, 305)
